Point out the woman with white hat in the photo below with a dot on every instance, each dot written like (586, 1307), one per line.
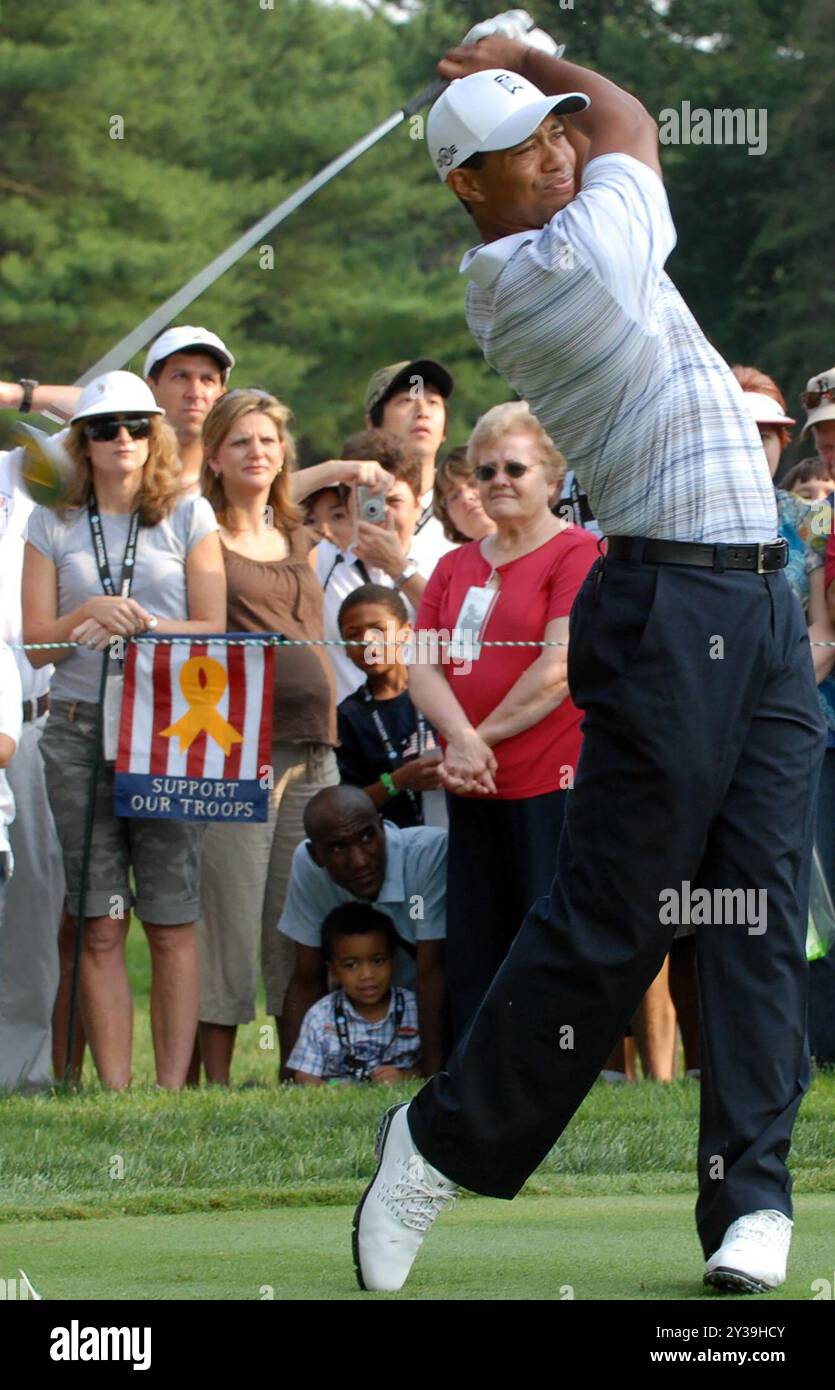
(123, 553)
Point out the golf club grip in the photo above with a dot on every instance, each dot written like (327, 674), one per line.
(425, 96)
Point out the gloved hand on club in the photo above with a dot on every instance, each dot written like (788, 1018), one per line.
(516, 24)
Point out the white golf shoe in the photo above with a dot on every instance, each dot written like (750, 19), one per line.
(753, 1255)
(397, 1208)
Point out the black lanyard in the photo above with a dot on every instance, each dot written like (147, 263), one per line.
(100, 552)
(426, 515)
(355, 1066)
(340, 559)
(395, 758)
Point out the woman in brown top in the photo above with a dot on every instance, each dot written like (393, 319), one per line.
(271, 587)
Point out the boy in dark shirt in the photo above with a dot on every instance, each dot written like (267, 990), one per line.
(386, 746)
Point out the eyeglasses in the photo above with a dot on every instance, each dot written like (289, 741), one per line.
(812, 399)
(104, 431)
(485, 472)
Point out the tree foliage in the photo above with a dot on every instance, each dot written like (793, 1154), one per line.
(226, 106)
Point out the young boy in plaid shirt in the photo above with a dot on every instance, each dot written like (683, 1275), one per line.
(365, 1030)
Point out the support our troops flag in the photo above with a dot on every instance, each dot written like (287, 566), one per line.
(195, 731)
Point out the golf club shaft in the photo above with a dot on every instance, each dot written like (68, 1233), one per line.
(119, 355)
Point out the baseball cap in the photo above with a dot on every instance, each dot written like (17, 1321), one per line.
(188, 338)
(490, 110)
(116, 393)
(765, 410)
(386, 380)
(819, 400)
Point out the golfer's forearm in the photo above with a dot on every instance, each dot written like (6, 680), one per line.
(611, 107)
(431, 693)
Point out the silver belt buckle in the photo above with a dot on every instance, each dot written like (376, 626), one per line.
(768, 545)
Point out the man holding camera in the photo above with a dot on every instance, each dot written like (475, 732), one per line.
(688, 652)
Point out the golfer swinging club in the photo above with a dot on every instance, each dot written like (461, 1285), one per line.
(688, 654)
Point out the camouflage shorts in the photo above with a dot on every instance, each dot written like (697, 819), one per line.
(164, 855)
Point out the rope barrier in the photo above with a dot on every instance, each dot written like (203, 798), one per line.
(269, 639)
(275, 639)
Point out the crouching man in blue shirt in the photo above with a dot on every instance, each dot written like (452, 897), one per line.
(352, 855)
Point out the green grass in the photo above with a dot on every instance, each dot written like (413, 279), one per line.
(215, 1193)
(621, 1248)
(270, 1147)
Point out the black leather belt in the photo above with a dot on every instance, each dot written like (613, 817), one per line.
(762, 559)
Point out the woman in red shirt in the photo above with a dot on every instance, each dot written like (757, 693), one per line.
(508, 704)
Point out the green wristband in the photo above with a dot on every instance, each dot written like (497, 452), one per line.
(388, 782)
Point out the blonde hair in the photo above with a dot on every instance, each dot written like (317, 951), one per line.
(225, 412)
(516, 417)
(455, 469)
(160, 472)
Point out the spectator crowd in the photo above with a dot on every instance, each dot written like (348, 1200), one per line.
(384, 890)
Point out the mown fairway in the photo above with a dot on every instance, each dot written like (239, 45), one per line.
(248, 1193)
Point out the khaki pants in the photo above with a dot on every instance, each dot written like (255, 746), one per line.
(246, 871)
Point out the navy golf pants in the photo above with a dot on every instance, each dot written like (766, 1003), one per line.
(702, 752)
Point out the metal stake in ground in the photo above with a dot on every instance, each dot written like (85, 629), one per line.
(89, 818)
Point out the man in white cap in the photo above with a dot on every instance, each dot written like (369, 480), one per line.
(702, 734)
(186, 367)
(819, 402)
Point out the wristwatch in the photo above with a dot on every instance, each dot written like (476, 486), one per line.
(28, 388)
(408, 573)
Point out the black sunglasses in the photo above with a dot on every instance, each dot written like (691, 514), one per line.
(485, 472)
(105, 430)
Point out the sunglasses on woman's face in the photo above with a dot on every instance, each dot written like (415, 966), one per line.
(105, 431)
(486, 472)
(812, 399)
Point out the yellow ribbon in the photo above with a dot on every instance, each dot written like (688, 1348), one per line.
(203, 682)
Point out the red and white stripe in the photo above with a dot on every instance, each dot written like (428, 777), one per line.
(153, 701)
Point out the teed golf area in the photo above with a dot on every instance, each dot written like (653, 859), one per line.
(248, 1193)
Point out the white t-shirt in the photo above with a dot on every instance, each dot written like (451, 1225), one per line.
(429, 542)
(340, 573)
(10, 724)
(16, 507)
(159, 577)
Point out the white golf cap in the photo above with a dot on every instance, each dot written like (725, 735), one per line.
(188, 338)
(116, 393)
(490, 110)
(765, 410)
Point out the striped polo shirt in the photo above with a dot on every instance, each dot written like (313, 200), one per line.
(582, 320)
